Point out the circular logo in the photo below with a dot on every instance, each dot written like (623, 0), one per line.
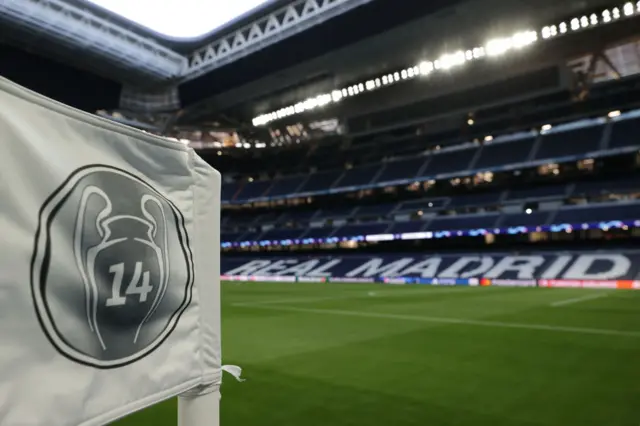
(112, 269)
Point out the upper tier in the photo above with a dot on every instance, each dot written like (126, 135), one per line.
(568, 142)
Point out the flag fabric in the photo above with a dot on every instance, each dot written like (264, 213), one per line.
(109, 260)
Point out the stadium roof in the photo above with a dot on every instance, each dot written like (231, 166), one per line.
(182, 19)
(140, 38)
(276, 55)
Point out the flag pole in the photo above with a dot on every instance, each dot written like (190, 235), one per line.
(204, 409)
(201, 410)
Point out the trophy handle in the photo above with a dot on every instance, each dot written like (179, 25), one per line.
(82, 253)
(158, 235)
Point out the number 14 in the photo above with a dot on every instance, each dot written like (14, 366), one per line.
(135, 286)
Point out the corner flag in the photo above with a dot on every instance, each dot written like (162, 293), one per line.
(109, 252)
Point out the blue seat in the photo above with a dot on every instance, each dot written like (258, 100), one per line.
(597, 213)
(449, 162)
(476, 200)
(455, 223)
(571, 142)
(625, 133)
(229, 190)
(266, 218)
(358, 176)
(318, 232)
(285, 186)
(281, 234)
(249, 236)
(297, 216)
(320, 181)
(504, 153)
(380, 210)
(230, 237)
(424, 204)
(361, 230)
(522, 219)
(335, 213)
(253, 190)
(235, 221)
(554, 191)
(621, 186)
(403, 169)
(406, 227)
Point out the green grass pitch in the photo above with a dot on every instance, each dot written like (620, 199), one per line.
(353, 354)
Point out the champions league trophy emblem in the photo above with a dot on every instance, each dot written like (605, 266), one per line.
(112, 270)
(128, 252)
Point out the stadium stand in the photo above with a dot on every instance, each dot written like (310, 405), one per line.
(401, 170)
(566, 143)
(503, 153)
(489, 211)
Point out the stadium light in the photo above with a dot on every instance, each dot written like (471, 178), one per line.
(493, 48)
(614, 114)
(546, 127)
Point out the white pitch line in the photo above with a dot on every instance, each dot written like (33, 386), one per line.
(283, 301)
(578, 299)
(460, 321)
(387, 293)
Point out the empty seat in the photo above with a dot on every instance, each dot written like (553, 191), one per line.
(504, 153)
(280, 234)
(424, 204)
(380, 210)
(361, 230)
(285, 186)
(625, 133)
(454, 223)
(252, 190)
(632, 184)
(476, 200)
(320, 181)
(597, 213)
(403, 169)
(450, 162)
(406, 227)
(297, 216)
(230, 237)
(554, 191)
(523, 219)
(237, 220)
(229, 190)
(318, 233)
(571, 142)
(249, 236)
(358, 176)
(335, 213)
(266, 218)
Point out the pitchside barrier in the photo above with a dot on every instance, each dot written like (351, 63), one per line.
(611, 270)
(109, 260)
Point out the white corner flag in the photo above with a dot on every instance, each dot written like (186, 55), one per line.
(109, 269)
